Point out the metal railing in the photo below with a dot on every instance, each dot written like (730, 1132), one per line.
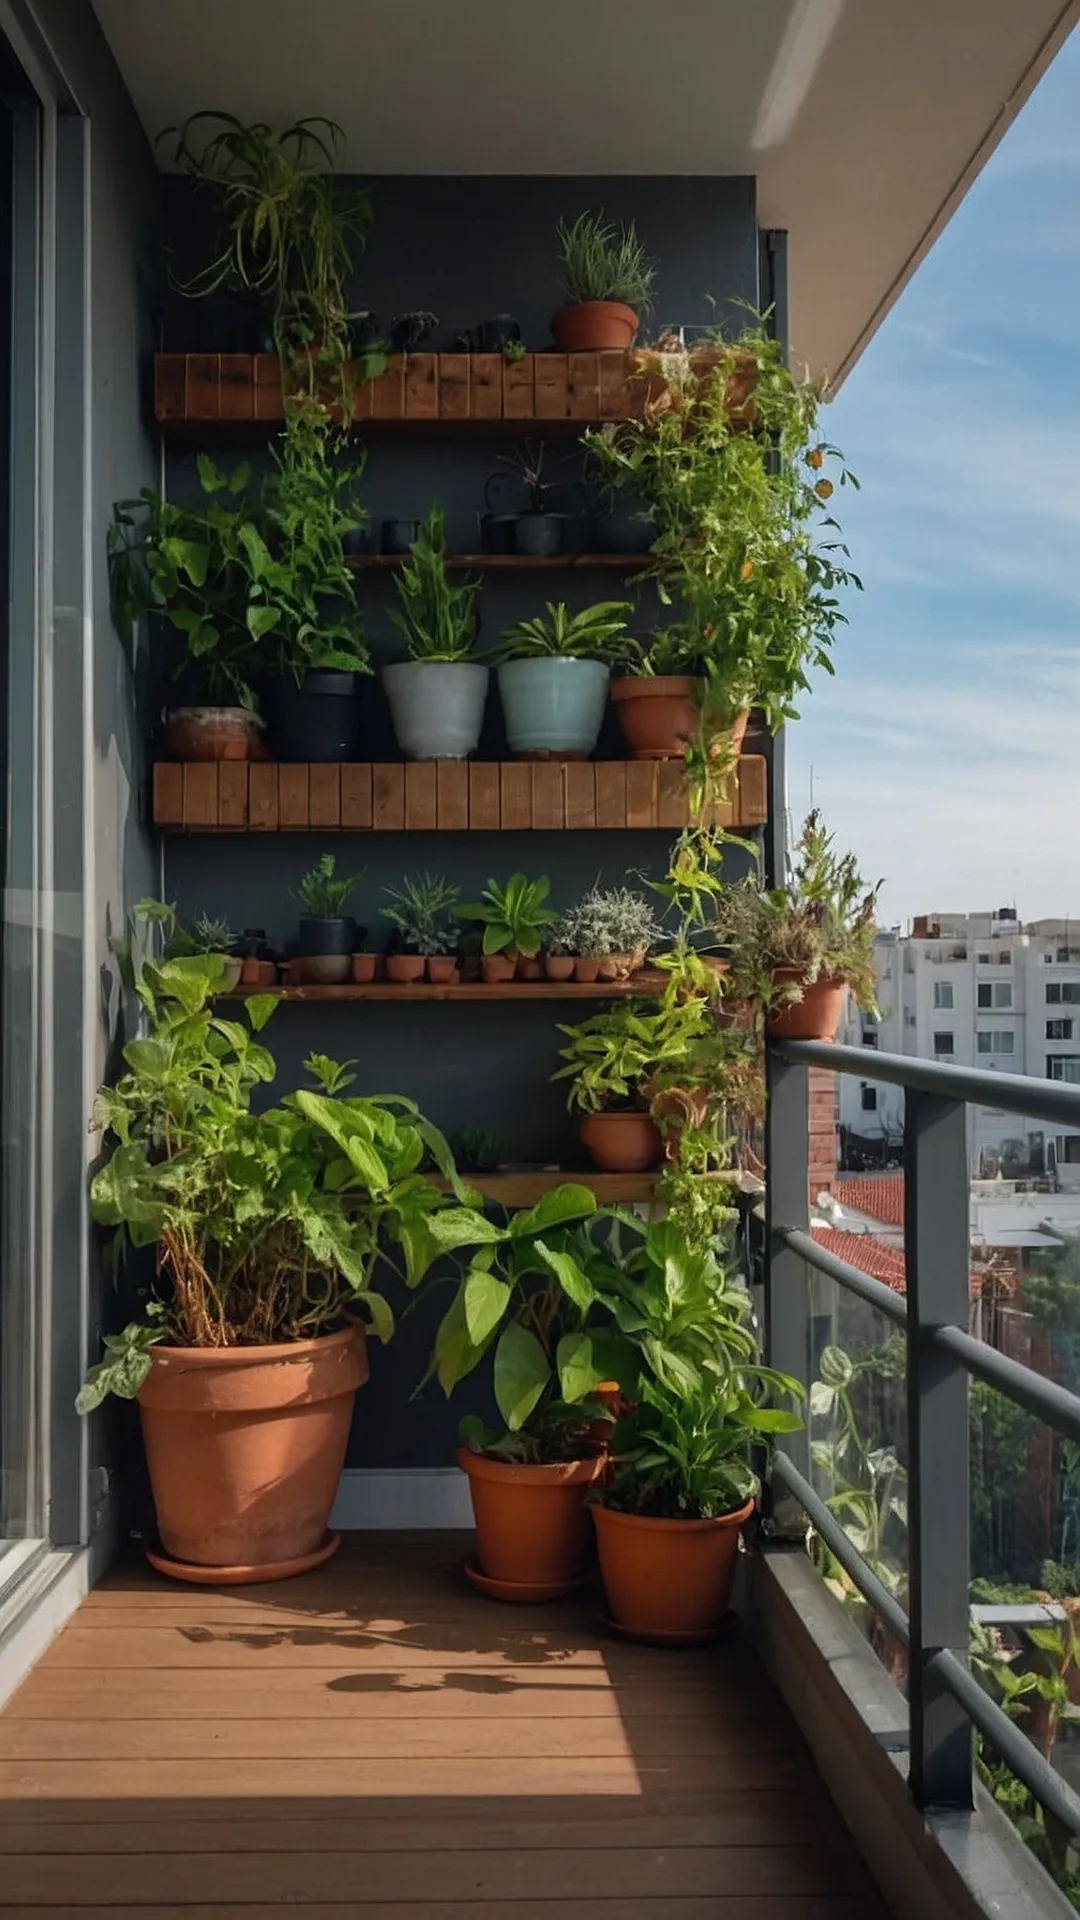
(945, 1699)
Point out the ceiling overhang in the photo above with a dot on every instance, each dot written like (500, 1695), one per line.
(865, 121)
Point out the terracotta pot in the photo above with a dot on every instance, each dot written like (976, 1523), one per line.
(530, 969)
(658, 716)
(406, 968)
(363, 967)
(320, 969)
(610, 1395)
(496, 968)
(442, 969)
(559, 966)
(245, 1447)
(586, 969)
(620, 966)
(531, 1525)
(815, 1017)
(676, 1108)
(667, 1577)
(594, 326)
(213, 733)
(623, 1142)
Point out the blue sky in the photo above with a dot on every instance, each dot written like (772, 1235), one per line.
(946, 751)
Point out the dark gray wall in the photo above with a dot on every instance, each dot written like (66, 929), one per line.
(466, 249)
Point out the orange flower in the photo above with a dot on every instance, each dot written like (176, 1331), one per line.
(823, 489)
(814, 458)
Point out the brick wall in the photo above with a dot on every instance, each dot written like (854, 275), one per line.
(823, 1138)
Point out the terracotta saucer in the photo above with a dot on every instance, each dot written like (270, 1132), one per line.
(522, 1592)
(197, 1576)
(661, 1637)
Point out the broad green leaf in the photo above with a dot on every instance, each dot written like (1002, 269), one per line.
(835, 1367)
(554, 1209)
(486, 1300)
(576, 1368)
(453, 1227)
(570, 1275)
(259, 1007)
(521, 1373)
(455, 1354)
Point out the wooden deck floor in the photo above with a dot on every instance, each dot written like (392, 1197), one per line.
(377, 1739)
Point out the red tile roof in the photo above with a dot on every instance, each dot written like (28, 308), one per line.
(879, 1195)
(863, 1251)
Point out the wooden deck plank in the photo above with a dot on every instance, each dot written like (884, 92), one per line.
(707, 1907)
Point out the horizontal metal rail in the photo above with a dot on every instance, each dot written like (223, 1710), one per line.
(838, 1543)
(1048, 1401)
(1017, 1751)
(874, 1292)
(1048, 1100)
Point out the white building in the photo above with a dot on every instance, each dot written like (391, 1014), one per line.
(977, 990)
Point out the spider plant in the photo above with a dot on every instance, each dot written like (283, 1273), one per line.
(603, 260)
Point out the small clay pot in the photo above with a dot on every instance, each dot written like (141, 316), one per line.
(530, 969)
(405, 968)
(815, 1017)
(497, 968)
(595, 326)
(559, 966)
(620, 966)
(213, 733)
(442, 969)
(319, 969)
(658, 716)
(249, 973)
(667, 1579)
(363, 968)
(627, 1141)
(586, 969)
(532, 1527)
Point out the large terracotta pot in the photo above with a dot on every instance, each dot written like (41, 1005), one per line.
(532, 1530)
(658, 716)
(815, 1017)
(666, 1579)
(595, 326)
(626, 1141)
(214, 733)
(245, 1447)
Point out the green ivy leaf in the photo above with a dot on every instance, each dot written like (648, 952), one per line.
(576, 1369)
(486, 1300)
(521, 1373)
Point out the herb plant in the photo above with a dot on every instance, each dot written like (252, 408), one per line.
(604, 260)
(320, 895)
(612, 1055)
(422, 910)
(596, 633)
(608, 920)
(513, 917)
(437, 615)
(821, 926)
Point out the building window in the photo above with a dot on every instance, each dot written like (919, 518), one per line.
(997, 993)
(870, 1038)
(943, 995)
(869, 1099)
(944, 1043)
(1059, 1029)
(1063, 993)
(1005, 957)
(984, 959)
(1064, 1066)
(994, 1040)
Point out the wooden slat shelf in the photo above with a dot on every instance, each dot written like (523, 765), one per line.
(649, 982)
(525, 1188)
(239, 394)
(524, 562)
(508, 796)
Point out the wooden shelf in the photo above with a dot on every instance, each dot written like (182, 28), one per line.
(448, 796)
(525, 1188)
(651, 981)
(509, 562)
(238, 395)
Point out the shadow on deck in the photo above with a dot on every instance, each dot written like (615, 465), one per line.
(378, 1739)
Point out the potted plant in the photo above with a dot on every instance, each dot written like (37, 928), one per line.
(188, 566)
(553, 677)
(727, 457)
(796, 950)
(679, 1490)
(477, 1149)
(327, 937)
(514, 919)
(208, 938)
(267, 1229)
(437, 695)
(610, 1061)
(607, 277)
(306, 621)
(538, 532)
(422, 913)
(610, 931)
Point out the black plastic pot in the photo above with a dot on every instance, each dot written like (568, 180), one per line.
(495, 334)
(321, 938)
(398, 535)
(625, 532)
(317, 718)
(538, 534)
(497, 532)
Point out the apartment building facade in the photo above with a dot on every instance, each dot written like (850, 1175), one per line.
(982, 990)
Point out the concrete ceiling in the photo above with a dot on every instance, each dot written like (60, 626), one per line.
(864, 120)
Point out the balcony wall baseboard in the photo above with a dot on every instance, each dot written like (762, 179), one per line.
(954, 1866)
(420, 1498)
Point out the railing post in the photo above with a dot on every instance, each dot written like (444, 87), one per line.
(936, 1246)
(787, 1301)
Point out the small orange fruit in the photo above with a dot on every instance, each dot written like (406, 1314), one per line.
(823, 489)
(815, 457)
(746, 570)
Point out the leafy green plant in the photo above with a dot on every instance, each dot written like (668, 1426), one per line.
(821, 926)
(476, 1149)
(422, 910)
(514, 917)
(437, 615)
(607, 920)
(686, 1455)
(604, 260)
(268, 1226)
(321, 895)
(308, 616)
(596, 633)
(868, 1483)
(612, 1055)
